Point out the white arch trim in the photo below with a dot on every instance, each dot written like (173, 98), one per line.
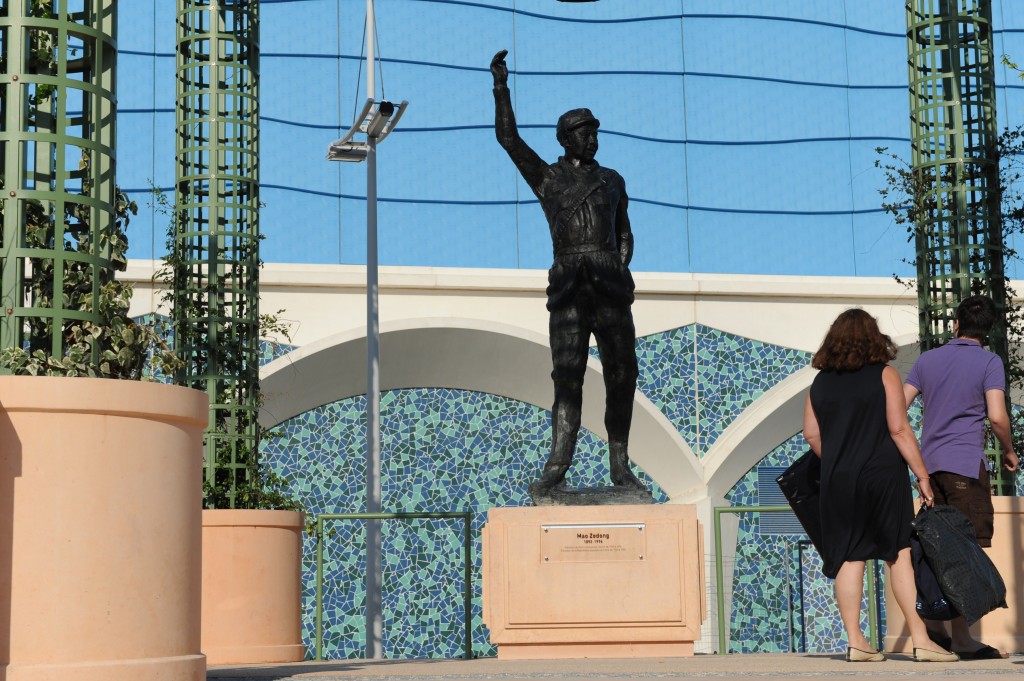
(772, 419)
(467, 354)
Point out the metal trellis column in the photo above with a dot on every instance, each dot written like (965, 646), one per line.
(57, 105)
(216, 246)
(954, 154)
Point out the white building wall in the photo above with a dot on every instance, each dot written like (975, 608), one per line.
(486, 330)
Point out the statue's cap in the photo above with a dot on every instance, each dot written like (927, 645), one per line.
(573, 119)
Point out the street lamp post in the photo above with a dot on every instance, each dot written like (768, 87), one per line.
(376, 121)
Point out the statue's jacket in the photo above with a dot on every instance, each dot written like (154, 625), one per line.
(585, 206)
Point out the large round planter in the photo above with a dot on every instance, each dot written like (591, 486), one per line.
(100, 539)
(252, 586)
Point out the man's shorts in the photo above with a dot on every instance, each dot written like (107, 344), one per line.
(973, 497)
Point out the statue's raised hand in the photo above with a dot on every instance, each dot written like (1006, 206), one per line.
(499, 69)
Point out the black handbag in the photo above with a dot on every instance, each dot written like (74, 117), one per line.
(801, 485)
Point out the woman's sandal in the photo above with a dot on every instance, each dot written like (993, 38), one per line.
(925, 655)
(858, 655)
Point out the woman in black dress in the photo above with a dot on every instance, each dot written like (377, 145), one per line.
(855, 419)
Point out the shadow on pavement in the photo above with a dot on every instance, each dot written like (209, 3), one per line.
(276, 672)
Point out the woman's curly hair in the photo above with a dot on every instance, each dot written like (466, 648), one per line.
(852, 342)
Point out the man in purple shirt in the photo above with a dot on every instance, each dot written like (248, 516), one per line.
(962, 384)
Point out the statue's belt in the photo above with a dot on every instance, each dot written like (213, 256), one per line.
(583, 248)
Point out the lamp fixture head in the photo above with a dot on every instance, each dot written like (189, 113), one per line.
(379, 119)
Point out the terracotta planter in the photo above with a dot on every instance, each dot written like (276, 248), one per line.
(100, 501)
(252, 586)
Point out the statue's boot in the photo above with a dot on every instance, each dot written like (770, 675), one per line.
(553, 477)
(565, 425)
(618, 463)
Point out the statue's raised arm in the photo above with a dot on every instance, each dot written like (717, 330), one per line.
(526, 159)
(499, 69)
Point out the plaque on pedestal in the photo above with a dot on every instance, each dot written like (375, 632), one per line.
(593, 581)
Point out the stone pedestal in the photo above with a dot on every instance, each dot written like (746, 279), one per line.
(1000, 628)
(593, 581)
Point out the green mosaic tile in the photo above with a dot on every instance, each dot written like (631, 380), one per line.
(702, 378)
(668, 379)
(732, 372)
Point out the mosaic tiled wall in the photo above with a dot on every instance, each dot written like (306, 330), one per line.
(703, 378)
(443, 450)
(732, 372)
(1017, 424)
(447, 450)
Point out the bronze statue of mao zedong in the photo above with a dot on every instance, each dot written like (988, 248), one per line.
(590, 288)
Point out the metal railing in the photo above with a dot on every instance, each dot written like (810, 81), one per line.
(467, 596)
(873, 629)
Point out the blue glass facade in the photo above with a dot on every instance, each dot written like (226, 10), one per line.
(745, 130)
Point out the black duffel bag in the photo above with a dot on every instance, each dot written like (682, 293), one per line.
(801, 485)
(966, 575)
(931, 602)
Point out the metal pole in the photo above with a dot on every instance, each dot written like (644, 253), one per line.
(803, 609)
(374, 578)
(719, 582)
(371, 69)
(872, 570)
(374, 626)
(319, 589)
(467, 597)
(789, 597)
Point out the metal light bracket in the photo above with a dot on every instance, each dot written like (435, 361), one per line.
(376, 120)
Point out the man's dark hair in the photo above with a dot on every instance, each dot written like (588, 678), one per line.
(976, 316)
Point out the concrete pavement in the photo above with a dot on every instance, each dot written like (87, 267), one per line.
(805, 667)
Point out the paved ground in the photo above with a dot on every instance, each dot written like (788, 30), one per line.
(781, 666)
